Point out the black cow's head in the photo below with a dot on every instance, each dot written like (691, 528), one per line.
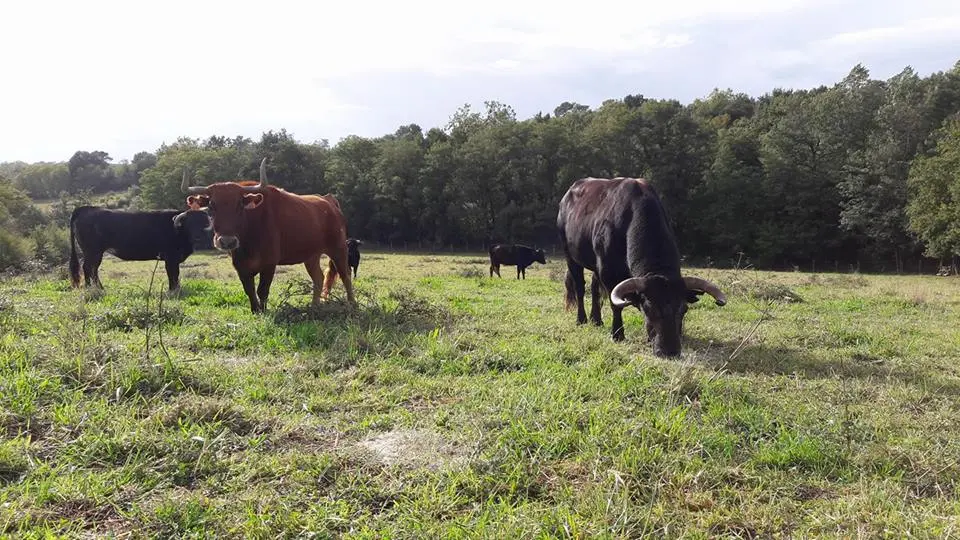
(353, 245)
(539, 257)
(664, 304)
(193, 224)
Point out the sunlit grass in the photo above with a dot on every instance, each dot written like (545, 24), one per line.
(834, 415)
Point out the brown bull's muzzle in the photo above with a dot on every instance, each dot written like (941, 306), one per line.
(226, 243)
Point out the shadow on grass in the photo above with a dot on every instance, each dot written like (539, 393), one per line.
(343, 334)
(767, 360)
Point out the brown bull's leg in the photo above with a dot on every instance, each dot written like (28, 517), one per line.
(246, 278)
(316, 275)
(263, 289)
(337, 262)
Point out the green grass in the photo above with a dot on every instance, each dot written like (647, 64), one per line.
(455, 405)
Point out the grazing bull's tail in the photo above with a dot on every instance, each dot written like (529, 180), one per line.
(74, 261)
(570, 299)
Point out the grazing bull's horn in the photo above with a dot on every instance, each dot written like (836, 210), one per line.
(625, 287)
(187, 188)
(263, 179)
(699, 284)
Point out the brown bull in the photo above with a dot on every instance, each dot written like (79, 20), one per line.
(263, 226)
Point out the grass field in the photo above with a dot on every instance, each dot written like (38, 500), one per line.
(454, 405)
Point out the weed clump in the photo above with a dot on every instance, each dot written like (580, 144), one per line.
(126, 318)
(470, 272)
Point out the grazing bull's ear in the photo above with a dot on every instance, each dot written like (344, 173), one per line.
(196, 202)
(252, 200)
(693, 296)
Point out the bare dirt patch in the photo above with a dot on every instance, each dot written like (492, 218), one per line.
(416, 449)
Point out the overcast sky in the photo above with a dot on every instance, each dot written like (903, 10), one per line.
(125, 76)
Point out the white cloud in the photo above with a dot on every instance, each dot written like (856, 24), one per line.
(911, 31)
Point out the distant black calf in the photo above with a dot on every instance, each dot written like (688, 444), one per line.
(514, 254)
(353, 254)
(133, 236)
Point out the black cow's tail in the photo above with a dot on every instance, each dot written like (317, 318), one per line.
(74, 262)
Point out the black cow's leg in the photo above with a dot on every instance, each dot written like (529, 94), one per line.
(263, 290)
(91, 268)
(575, 280)
(596, 300)
(246, 278)
(173, 275)
(519, 269)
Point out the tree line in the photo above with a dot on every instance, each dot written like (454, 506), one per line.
(863, 173)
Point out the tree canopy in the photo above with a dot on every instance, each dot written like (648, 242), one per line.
(863, 172)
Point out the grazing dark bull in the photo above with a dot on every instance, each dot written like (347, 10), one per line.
(263, 226)
(618, 229)
(353, 254)
(133, 236)
(514, 254)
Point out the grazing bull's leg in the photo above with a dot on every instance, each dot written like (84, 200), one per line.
(596, 300)
(575, 282)
(173, 276)
(495, 268)
(246, 278)
(519, 270)
(609, 281)
(316, 275)
(263, 289)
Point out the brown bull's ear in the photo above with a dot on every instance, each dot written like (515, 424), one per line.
(252, 200)
(196, 202)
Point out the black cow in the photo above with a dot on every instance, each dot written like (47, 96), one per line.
(618, 229)
(133, 236)
(514, 254)
(353, 254)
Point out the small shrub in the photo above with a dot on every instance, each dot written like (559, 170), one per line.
(14, 251)
(51, 244)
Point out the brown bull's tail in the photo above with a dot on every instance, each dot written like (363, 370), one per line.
(74, 261)
(570, 299)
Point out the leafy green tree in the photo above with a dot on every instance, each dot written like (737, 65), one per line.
(934, 207)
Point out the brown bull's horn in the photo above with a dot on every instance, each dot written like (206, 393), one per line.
(263, 179)
(187, 188)
(625, 287)
(699, 284)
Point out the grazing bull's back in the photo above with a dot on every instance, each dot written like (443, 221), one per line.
(620, 221)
